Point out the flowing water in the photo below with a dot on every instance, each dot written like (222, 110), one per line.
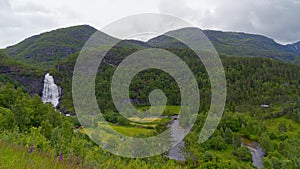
(256, 152)
(51, 92)
(177, 152)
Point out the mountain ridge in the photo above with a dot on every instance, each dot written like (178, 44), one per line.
(234, 44)
(50, 47)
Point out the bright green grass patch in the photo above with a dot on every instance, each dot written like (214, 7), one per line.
(104, 131)
(132, 131)
(292, 128)
(146, 122)
(17, 157)
(169, 110)
(143, 125)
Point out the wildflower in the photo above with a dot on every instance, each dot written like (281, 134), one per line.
(60, 156)
(31, 148)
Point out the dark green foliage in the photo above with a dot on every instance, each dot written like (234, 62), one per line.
(228, 136)
(243, 153)
(251, 82)
(25, 112)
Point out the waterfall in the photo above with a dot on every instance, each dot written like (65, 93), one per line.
(51, 92)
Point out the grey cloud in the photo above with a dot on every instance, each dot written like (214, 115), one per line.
(4, 4)
(21, 20)
(16, 25)
(275, 18)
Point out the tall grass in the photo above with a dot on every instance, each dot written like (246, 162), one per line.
(17, 157)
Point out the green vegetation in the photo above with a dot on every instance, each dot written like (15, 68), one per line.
(17, 157)
(169, 110)
(131, 131)
(126, 130)
(251, 82)
(233, 44)
(48, 48)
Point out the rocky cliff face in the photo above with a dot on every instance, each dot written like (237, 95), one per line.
(33, 85)
(9, 69)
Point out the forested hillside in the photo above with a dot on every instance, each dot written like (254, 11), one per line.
(50, 47)
(262, 108)
(234, 44)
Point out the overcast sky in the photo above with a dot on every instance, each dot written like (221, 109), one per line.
(278, 19)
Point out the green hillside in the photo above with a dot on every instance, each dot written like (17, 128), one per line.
(46, 49)
(50, 47)
(25, 120)
(232, 44)
(262, 105)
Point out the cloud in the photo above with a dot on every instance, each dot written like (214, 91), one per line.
(274, 18)
(278, 19)
(20, 19)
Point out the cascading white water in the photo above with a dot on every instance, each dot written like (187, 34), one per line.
(51, 92)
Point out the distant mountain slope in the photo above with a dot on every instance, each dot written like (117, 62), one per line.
(233, 44)
(295, 47)
(49, 47)
(46, 49)
(242, 44)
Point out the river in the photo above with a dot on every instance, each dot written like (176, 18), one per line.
(177, 152)
(255, 150)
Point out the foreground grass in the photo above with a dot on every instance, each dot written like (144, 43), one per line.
(17, 157)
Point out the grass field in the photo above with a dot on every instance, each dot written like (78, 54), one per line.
(17, 157)
(137, 127)
(104, 132)
(169, 110)
(148, 122)
(132, 131)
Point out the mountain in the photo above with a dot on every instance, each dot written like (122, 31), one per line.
(232, 44)
(295, 47)
(251, 83)
(49, 47)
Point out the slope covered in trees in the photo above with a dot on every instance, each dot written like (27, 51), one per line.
(251, 83)
(234, 44)
(49, 48)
